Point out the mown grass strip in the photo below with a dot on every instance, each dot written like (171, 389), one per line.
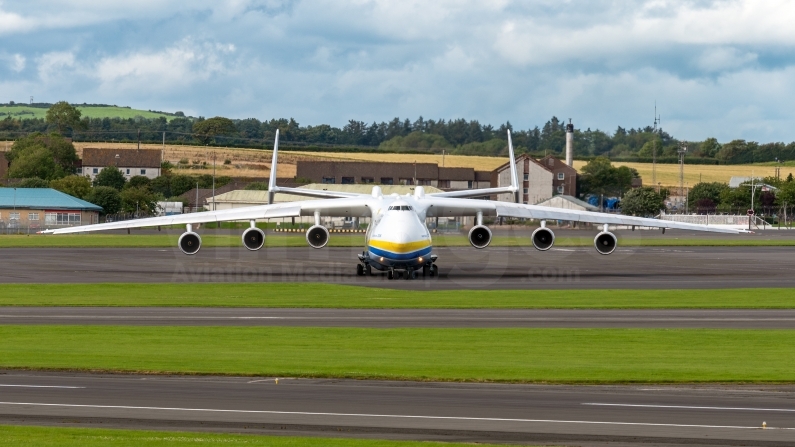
(92, 437)
(320, 295)
(169, 240)
(506, 355)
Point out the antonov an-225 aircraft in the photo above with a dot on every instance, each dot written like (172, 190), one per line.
(397, 240)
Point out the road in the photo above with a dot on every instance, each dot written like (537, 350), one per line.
(391, 318)
(460, 268)
(580, 415)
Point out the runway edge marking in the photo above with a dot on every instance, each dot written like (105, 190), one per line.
(394, 416)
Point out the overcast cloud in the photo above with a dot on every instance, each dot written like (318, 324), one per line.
(715, 68)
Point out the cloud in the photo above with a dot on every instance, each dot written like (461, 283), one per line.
(716, 67)
(52, 66)
(173, 67)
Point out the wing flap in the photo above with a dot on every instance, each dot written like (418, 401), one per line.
(542, 212)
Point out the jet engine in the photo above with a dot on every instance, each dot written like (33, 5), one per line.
(605, 242)
(190, 243)
(543, 238)
(253, 238)
(480, 236)
(317, 236)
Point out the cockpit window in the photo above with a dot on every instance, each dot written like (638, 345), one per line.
(400, 208)
(405, 208)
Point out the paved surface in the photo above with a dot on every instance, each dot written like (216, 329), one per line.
(389, 318)
(465, 267)
(571, 415)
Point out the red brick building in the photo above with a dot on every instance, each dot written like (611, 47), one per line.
(564, 177)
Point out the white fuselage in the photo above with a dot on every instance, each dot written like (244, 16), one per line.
(397, 236)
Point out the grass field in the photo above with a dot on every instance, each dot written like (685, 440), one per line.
(504, 355)
(24, 112)
(668, 174)
(319, 295)
(256, 163)
(88, 437)
(169, 240)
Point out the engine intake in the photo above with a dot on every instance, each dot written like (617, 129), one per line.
(605, 243)
(317, 236)
(190, 243)
(480, 236)
(253, 238)
(543, 238)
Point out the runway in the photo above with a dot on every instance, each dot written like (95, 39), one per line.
(532, 414)
(396, 318)
(460, 268)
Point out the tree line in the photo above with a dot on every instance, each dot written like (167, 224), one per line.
(456, 136)
(49, 161)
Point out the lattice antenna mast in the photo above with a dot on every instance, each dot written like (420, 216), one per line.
(657, 121)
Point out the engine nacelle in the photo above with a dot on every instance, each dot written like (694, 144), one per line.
(317, 236)
(480, 236)
(543, 238)
(190, 243)
(605, 242)
(253, 238)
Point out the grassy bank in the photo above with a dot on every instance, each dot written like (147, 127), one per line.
(341, 296)
(510, 355)
(169, 240)
(88, 437)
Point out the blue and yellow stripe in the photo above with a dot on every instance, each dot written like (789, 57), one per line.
(398, 250)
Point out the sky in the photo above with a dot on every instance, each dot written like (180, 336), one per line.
(723, 69)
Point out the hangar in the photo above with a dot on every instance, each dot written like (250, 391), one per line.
(24, 210)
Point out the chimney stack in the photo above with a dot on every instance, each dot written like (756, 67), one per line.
(570, 143)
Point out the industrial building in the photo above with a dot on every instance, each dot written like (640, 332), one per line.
(30, 209)
(424, 174)
(131, 162)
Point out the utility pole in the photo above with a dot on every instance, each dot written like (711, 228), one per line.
(214, 157)
(682, 152)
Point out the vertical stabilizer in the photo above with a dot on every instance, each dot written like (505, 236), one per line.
(272, 180)
(512, 159)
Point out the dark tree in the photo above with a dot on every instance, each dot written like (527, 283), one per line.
(106, 197)
(110, 176)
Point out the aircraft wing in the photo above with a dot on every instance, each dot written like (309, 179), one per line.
(350, 207)
(451, 207)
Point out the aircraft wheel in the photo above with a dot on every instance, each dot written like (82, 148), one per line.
(425, 270)
(390, 274)
(359, 270)
(434, 270)
(414, 274)
(368, 270)
(409, 274)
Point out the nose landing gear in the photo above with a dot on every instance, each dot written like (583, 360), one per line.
(429, 268)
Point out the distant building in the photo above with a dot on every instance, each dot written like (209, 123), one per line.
(131, 162)
(43, 208)
(735, 182)
(534, 177)
(569, 203)
(425, 174)
(564, 177)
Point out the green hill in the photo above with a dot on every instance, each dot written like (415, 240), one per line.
(28, 112)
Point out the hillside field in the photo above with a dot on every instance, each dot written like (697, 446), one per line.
(255, 163)
(25, 112)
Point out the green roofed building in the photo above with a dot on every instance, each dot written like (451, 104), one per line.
(39, 208)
